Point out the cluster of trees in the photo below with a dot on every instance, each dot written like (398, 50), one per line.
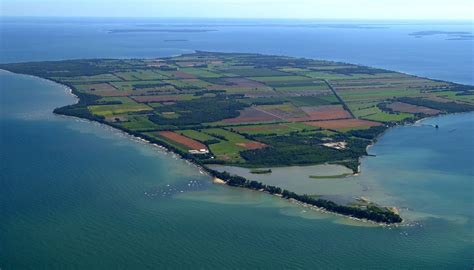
(269, 101)
(80, 109)
(70, 68)
(352, 164)
(450, 107)
(370, 212)
(369, 134)
(302, 149)
(465, 93)
(168, 68)
(196, 111)
(203, 92)
(144, 85)
(463, 89)
(357, 70)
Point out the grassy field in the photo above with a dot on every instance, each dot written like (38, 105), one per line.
(387, 117)
(129, 106)
(230, 145)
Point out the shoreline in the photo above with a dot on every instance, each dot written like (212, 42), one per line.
(203, 169)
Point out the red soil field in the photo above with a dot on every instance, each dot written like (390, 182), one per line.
(345, 123)
(252, 145)
(409, 108)
(195, 145)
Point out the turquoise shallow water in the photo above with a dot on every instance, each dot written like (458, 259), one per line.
(75, 194)
(423, 170)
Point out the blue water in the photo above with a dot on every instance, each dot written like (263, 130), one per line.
(383, 44)
(75, 194)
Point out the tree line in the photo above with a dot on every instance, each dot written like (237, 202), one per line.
(371, 212)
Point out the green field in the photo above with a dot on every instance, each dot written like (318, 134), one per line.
(227, 151)
(128, 106)
(381, 116)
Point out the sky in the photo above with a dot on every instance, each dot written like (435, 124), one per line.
(278, 9)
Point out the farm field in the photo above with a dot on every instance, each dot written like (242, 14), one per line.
(408, 108)
(248, 109)
(183, 140)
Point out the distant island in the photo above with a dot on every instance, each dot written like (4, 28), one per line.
(175, 40)
(451, 35)
(171, 30)
(255, 111)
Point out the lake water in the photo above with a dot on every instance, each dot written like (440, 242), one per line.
(79, 194)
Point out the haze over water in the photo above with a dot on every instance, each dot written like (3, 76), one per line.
(75, 193)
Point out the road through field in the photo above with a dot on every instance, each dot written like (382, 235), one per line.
(340, 99)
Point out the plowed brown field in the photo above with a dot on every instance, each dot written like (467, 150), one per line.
(195, 145)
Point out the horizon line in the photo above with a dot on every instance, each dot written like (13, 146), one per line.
(239, 18)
